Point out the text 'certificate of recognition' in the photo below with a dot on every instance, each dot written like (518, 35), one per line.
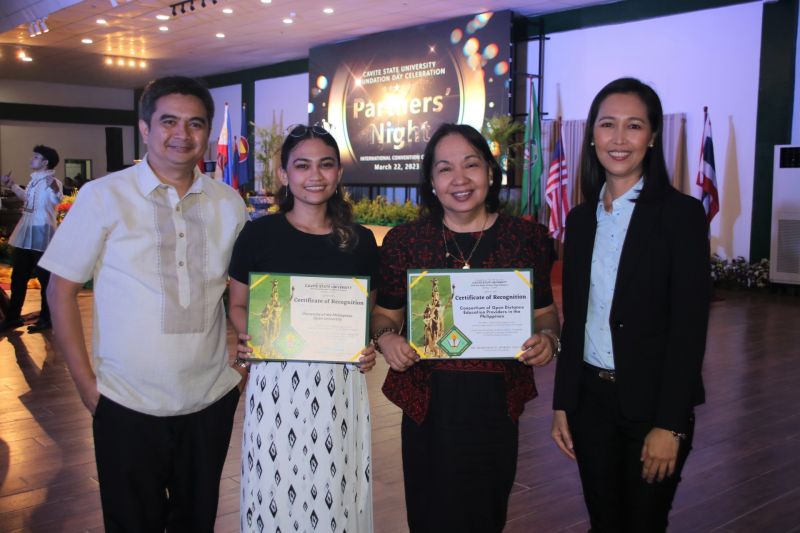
(469, 314)
(307, 318)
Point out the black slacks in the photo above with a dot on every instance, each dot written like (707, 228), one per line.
(459, 465)
(160, 473)
(608, 448)
(24, 268)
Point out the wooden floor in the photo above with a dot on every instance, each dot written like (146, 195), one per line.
(743, 475)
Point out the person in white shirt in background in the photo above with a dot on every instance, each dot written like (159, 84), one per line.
(156, 238)
(32, 235)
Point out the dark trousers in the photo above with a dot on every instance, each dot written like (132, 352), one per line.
(608, 447)
(459, 465)
(25, 268)
(160, 473)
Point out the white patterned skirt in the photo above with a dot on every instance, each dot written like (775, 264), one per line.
(306, 450)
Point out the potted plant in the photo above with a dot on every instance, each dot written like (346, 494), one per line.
(500, 131)
(267, 153)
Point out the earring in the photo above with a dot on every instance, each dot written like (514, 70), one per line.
(591, 143)
(491, 182)
(433, 190)
(650, 145)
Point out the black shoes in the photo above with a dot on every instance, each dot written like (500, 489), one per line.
(10, 323)
(39, 325)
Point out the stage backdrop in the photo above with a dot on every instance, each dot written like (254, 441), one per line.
(382, 96)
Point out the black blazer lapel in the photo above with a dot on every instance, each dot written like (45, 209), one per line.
(641, 228)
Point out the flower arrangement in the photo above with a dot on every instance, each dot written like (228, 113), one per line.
(63, 208)
(738, 273)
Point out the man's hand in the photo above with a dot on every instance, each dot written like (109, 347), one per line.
(659, 455)
(561, 434)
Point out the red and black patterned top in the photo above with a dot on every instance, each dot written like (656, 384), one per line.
(510, 243)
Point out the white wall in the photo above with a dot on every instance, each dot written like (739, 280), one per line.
(708, 57)
(796, 112)
(71, 141)
(60, 94)
(288, 94)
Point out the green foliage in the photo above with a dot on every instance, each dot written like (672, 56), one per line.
(501, 131)
(738, 273)
(267, 153)
(379, 212)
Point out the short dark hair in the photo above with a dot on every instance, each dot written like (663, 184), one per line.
(49, 154)
(428, 201)
(339, 209)
(173, 85)
(656, 177)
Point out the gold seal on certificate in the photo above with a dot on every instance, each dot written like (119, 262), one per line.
(294, 317)
(469, 314)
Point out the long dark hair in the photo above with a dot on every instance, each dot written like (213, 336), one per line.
(656, 177)
(430, 204)
(339, 210)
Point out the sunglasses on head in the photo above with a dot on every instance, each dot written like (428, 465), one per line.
(301, 130)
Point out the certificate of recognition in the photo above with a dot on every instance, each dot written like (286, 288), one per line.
(469, 314)
(294, 317)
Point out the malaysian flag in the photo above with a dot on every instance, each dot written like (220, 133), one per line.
(556, 193)
(706, 173)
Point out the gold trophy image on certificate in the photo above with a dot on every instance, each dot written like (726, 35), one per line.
(475, 314)
(307, 318)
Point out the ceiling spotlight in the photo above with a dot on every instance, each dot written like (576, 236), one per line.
(214, 2)
(163, 28)
(87, 41)
(162, 17)
(109, 61)
(287, 20)
(202, 3)
(191, 6)
(183, 8)
(142, 64)
(173, 11)
(220, 35)
(121, 62)
(328, 10)
(101, 21)
(27, 59)
(266, 1)
(227, 11)
(43, 25)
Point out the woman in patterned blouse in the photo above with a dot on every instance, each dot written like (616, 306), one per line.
(460, 417)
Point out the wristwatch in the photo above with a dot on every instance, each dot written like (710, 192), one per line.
(552, 334)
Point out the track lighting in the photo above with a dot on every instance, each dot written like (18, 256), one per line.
(183, 4)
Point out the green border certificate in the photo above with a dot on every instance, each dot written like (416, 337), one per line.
(469, 314)
(294, 317)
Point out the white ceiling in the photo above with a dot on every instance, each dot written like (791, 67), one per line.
(254, 33)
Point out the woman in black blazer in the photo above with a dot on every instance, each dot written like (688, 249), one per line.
(636, 296)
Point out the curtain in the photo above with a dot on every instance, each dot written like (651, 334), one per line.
(572, 131)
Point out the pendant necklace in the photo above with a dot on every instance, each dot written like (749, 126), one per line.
(461, 257)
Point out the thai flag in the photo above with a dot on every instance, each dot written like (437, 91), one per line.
(706, 173)
(556, 192)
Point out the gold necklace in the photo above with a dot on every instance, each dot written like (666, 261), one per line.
(461, 253)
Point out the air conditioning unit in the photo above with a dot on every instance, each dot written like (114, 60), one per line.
(784, 256)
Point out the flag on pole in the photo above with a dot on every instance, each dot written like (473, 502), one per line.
(244, 152)
(225, 156)
(706, 172)
(532, 163)
(556, 191)
(243, 147)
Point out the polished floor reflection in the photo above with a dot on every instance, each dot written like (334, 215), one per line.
(742, 476)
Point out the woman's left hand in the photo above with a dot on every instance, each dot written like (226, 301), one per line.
(538, 350)
(659, 455)
(367, 360)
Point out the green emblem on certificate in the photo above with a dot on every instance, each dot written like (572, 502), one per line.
(471, 314)
(307, 318)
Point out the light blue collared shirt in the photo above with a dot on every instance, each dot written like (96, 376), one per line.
(611, 230)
